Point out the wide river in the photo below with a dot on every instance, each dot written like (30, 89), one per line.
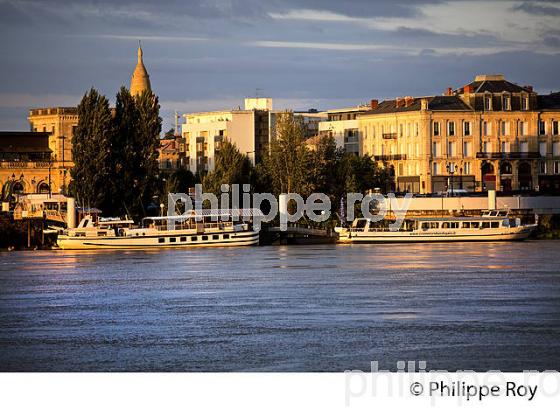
(284, 308)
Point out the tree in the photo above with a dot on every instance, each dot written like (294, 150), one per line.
(91, 151)
(231, 167)
(287, 163)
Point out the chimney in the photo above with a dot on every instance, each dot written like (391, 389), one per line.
(449, 91)
(424, 104)
(408, 101)
(468, 89)
(529, 88)
(373, 104)
(399, 102)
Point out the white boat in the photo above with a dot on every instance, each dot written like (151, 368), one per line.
(196, 229)
(490, 226)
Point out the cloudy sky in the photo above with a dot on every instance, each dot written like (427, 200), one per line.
(210, 54)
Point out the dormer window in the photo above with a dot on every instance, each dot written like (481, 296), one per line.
(487, 102)
(524, 102)
(506, 102)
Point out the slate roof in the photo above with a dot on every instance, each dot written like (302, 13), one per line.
(549, 102)
(435, 103)
(494, 86)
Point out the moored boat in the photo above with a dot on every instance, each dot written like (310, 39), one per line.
(195, 229)
(494, 225)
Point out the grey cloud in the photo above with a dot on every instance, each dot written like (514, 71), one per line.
(538, 9)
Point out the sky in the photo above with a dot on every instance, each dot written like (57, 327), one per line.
(324, 54)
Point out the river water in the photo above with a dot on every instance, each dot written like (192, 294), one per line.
(295, 308)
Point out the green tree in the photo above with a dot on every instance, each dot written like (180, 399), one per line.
(287, 164)
(231, 167)
(91, 151)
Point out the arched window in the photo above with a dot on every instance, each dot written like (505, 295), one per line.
(487, 168)
(17, 188)
(42, 188)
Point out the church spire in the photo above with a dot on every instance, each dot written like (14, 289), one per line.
(140, 80)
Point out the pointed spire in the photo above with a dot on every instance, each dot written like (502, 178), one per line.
(140, 80)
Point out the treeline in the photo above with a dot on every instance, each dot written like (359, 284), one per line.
(115, 153)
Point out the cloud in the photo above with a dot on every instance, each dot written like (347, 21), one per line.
(538, 9)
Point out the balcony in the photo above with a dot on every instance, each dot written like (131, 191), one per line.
(394, 157)
(389, 135)
(508, 155)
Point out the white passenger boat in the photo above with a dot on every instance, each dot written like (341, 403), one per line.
(202, 228)
(491, 226)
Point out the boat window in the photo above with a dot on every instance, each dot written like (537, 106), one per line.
(445, 225)
(194, 238)
(475, 225)
(183, 239)
(466, 225)
(172, 239)
(495, 224)
(361, 223)
(434, 225)
(425, 225)
(161, 240)
(215, 237)
(485, 225)
(226, 236)
(204, 237)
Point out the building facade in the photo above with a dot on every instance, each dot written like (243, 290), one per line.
(25, 164)
(60, 123)
(343, 125)
(250, 129)
(489, 134)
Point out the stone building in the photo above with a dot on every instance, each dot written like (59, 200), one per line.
(140, 80)
(25, 164)
(343, 125)
(488, 134)
(60, 124)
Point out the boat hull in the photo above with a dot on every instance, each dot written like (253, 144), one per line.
(511, 234)
(241, 238)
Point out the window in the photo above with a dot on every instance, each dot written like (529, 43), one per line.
(486, 128)
(557, 167)
(467, 149)
(226, 236)
(542, 127)
(451, 149)
(555, 127)
(542, 167)
(215, 237)
(486, 147)
(485, 225)
(542, 149)
(451, 128)
(467, 168)
(161, 240)
(523, 128)
(417, 126)
(204, 237)
(524, 102)
(495, 224)
(506, 102)
(436, 149)
(172, 239)
(524, 146)
(505, 146)
(183, 239)
(504, 128)
(194, 238)
(556, 149)
(436, 129)
(466, 128)
(487, 102)
(466, 225)
(436, 168)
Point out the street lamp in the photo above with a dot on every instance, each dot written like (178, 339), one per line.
(451, 171)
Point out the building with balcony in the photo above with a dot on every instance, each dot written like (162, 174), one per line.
(343, 125)
(488, 134)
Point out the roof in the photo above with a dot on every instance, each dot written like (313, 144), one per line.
(435, 103)
(493, 84)
(14, 141)
(549, 102)
(215, 213)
